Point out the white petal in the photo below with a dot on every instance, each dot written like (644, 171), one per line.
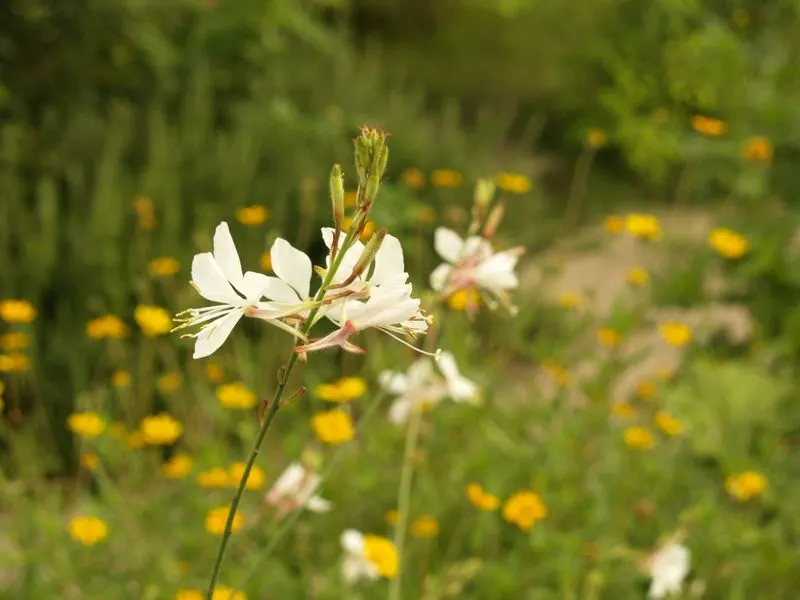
(448, 244)
(280, 291)
(291, 265)
(254, 286)
(389, 266)
(289, 481)
(394, 383)
(318, 505)
(420, 373)
(459, 387)
(439, 277)
(355, 568)
(211, 282)
(498, 271)
(398, 411)
(352, 541)
(226, 255)
(213, 335)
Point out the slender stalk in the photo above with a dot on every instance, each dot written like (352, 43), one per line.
(404, 498)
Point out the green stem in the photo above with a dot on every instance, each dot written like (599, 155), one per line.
(404, 498)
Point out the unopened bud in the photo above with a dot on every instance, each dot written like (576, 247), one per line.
(368, 255)
(337, 193)
(371, 156)
(484, 192)
(298, 393)
(493, 221)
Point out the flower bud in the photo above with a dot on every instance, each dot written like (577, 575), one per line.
(484, 192)
(371, 156)
(337, 193)
(493, 220)
(368, 255)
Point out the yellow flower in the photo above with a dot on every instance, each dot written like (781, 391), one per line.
(236, 395)
(424, 527)
(161, 429)
(350, 199)
(145, 212)
(745, 486)
(643, 226)
(624, 411)
(120, 378)
(14, 341)
(333, 426)
(86, 424)
(215, 478)
(709, 126)
(523, 509)
(481, 498)
(638, 276)
(153, 320)
(614, 224)
(17, 311)
(608, 337)
(255, 481)
(87, 530)
(668, 424)
(516, 183)
(645, 389)
(222, 592)
(342, 390)
(391, 516)
(214, 372)
(757, 149)
(446, 178)
(89, 461)
(596, 138)
(164, 266)
(467, 299)
(135, 440)
(675, 334)
(382, 554)
(216, 518)
(638, 438)
(252, 215)
(571, 299)
(108, 326)
(366, 233)
(266, 261)
(190, 595)
(14, 363)
(728, 243)
(169, 382)
(559, 374)
(413, 178)
(178, 466)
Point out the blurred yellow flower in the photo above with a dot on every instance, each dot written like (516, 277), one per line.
(446, 178)
(424, 527)
(107, 326)
(266, 261)
(252, 215)
(145, 212)
(413, 178)
(17, 311)
(366, 233)
(614, 224)
(214, 372)
(86, 424)
(161, 429)
(14, 363)
(675, 333)
(215, 478)
(515, 183)
(236, 395)
(391, 516)
(624, 411)
(709, 126)
(608, 337)
(559, 374)
(169, 382)
(87, 530)
(255, 480)
(638, 276)
(164, 266)
(178, 466)
(481, 498)
(120, 378)
(645, 389)
(350, 199)
(425, 214)
(643, 226)
(668, 424)
(757, 149)
(745, 486)
(135, 440)
(342, 390)
(596, 138)
(216, 518)
(464, 299)
(571, 299)
(523, 509)
(381, 554)
(222, 592)
(89, 461)
(333, 426)
(190, 595)
(14, 341)
(638, 438)
(153, 320)
(727, 243)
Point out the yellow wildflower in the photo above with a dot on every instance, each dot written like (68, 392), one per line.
(161, 429)
(757, 149)
(727, 243)
(467, 299)
(178, 466)
(366, 233)
(214, 372)
(169, 382)
(645, 389)
(89, 461)
(638, 276)
(236, 395)
(17, 311)
(153, 320)
(608, 337)
(14, 363)
(559, 374)
(342, 390)
(216, 518)
(424, 527)
(87, 530)
(745, 486)
(446, 178)
(414, 178)
(709, 126)
(145, 213)
(668, 424)
(164, 266)
(190, 595)
(252, 215)
(614, 224)
(120, 378)
(624, 411)
(333, 426)
(571, 299)
(481, 498)
(523, 509)
(266, 261)
(596, 138)
(638, 438)
(86, 424)
(255, 480)
(382, 554)
(515, 183)
(14, 341)
(108, 326)
(222, 592)
(643, 226)
(350, 199)
(675, 334)
(215, 478)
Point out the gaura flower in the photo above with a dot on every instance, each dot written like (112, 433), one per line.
(367, 557)
(295, 488)
(668, 567)
(87, 530)
(727, 243)
(472, 264)
(421, 387)
(342, 390)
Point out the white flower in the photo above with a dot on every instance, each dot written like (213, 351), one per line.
(218, 277)
(421, 387)
(668, 567)
(388, 267)
(472, 264)
(295, 488)
(356, 565)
